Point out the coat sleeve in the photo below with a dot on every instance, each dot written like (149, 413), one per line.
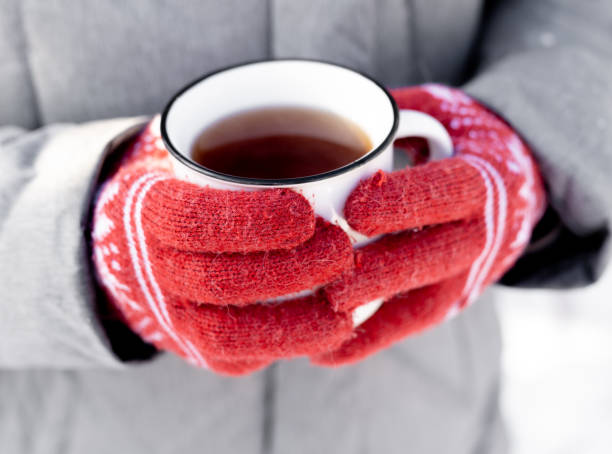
(546, 67)
(48, 315)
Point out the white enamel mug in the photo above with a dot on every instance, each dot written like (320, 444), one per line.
(298, 83)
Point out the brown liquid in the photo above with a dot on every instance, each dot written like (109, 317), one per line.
(280, 142)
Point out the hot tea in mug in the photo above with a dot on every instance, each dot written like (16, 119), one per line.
(280, 142)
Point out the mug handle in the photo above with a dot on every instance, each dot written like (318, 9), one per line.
(413, 123)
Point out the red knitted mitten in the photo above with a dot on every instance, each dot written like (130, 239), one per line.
(184, 265)
(457, 225)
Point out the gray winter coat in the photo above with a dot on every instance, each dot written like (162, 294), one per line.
(72, 383)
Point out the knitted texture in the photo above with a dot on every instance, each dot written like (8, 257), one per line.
(182, 262)
(233, 221)
(234, 280)
(482, 203)
(401, 262)
(238, 279)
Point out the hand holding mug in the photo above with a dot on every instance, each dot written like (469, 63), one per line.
(157, 238)
(189, 265)
(320, 87)
(453, 226)
(233, 274)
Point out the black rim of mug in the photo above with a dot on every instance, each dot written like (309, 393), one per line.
(279, 181)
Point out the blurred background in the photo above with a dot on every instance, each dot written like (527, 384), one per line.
(557, 361)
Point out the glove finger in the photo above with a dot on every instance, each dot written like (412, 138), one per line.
(259, 332)
(185, 216)
(401, 316)
(241, 279)
(432, 193)
(237, 367)
(398, 263)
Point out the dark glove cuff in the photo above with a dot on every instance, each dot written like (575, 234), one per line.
(126, 344)
(556, 257)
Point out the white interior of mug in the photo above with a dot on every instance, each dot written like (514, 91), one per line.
(302, 83)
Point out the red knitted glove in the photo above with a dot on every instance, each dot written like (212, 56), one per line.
(183, 264)
(463, 222)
